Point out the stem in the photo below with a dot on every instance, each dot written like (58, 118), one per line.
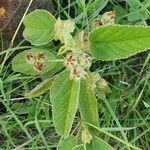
(114, 137)
(4, 102)
(56, 60)
(12, 41)
(15, 48)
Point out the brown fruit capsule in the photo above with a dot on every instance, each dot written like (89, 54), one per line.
(40, 57)
(38, 66)
(30, 58)
(97, 22)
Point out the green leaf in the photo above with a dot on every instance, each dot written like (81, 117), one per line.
(134, 4)
(68, 144)
(22, 108)
(64, 97)
(117, 42)
(39, 27)
(146, 104)
(133, 16)
(88, 103)
(136, 10)
(58, 67)
(97, 6)
(26, 62)
(79, 147)
(40, 89)
(98, 144)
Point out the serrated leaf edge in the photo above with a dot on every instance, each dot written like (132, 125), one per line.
(117, 25)
(38, 10)
(65, 135)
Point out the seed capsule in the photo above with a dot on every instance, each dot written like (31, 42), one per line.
(77, 73)
(85, 61)
(97, 22)
(30, 58)
(38, 66)
(71, 61)
(40, 57)
(86, 136)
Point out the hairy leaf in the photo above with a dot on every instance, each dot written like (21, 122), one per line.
(117, 42)
(88, 103)
(39, 27)
(58, 67)
(79, 147)
(40, 89)
(98, 144)
(68, 144)
(64, 97)
(33, 62)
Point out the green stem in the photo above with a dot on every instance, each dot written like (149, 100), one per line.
(15, 48)
(56, 60)
(114, 137)
(12, 113)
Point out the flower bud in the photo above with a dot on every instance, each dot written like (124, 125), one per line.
(82, 41)
(108, 18)
(62, 29)
(103, 85)
(86, 137)
(85, 61)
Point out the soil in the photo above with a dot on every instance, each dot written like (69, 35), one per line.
(15, 10)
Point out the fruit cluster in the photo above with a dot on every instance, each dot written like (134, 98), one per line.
(77, 64)
(36, 60)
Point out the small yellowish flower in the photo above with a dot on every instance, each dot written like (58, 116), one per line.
(94, 78)
(86, 137)
(69, 45)
(82, 41)
(108, 18)
(85, 61)
(63, 29)
(103, 85)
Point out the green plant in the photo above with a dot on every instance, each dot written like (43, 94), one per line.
(138, 10)
(71, 83)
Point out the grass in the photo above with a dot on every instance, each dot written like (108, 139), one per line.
(125, 114)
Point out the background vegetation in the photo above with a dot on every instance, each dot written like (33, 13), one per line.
(27, 124)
